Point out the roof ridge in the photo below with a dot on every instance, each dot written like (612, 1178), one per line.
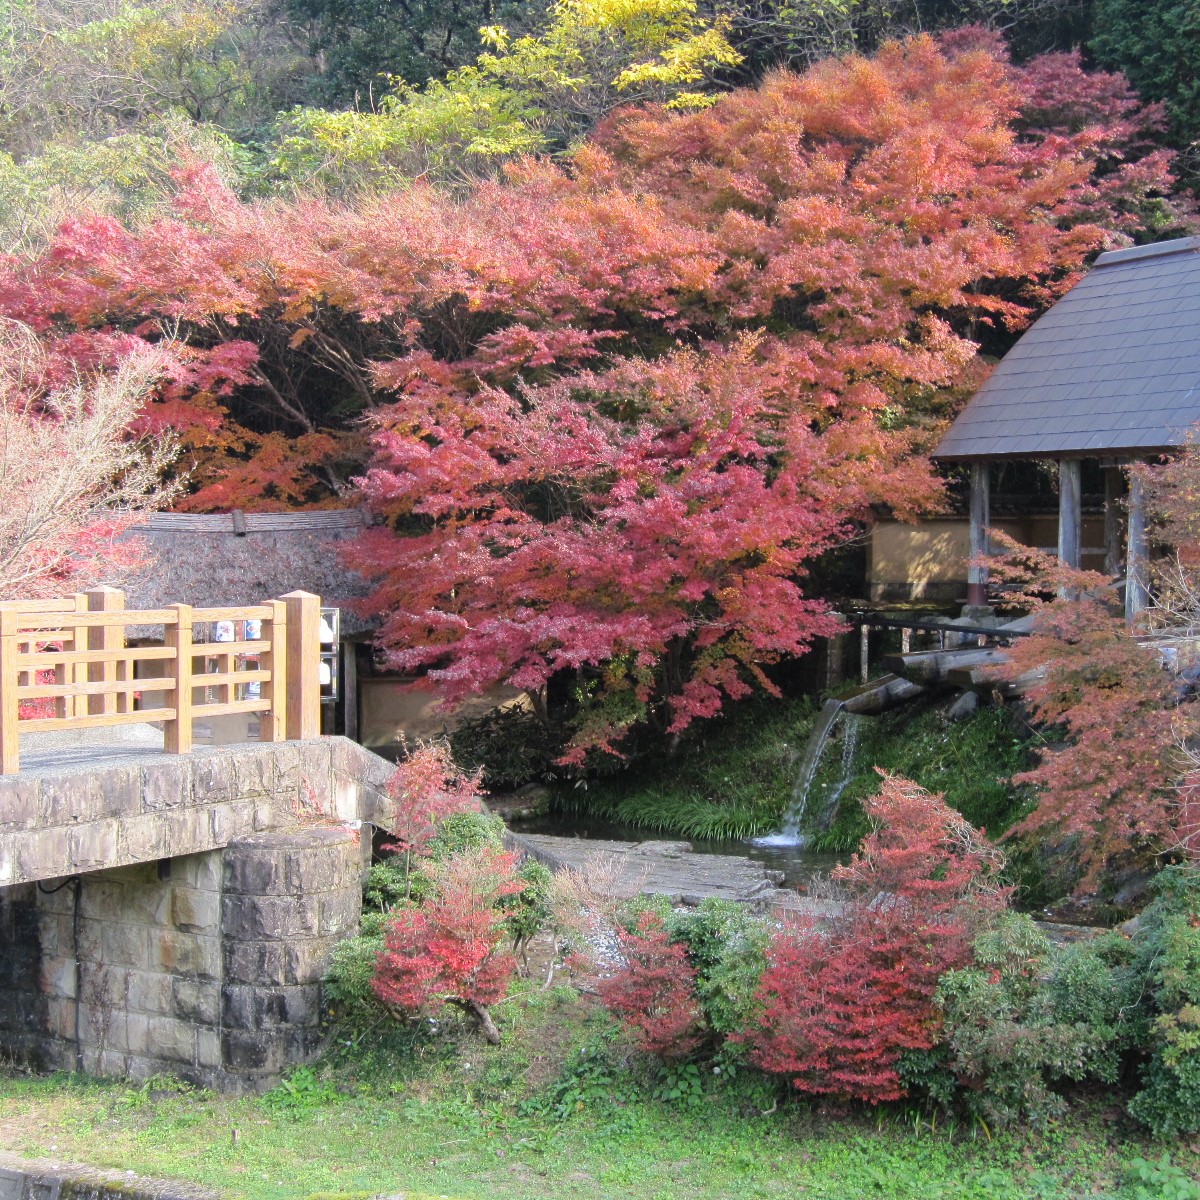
(249, 522)
(1152, 250)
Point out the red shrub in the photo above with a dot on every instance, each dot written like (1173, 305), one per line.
(654, 992)
(448, 950)
(842, 999)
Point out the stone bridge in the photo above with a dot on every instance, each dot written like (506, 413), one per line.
(175, 913)
(165, 908)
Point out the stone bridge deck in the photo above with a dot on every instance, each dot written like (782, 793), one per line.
(75, 809)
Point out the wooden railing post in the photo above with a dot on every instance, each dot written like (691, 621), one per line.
(106, 637)
(178, 733)
(10, 744)
(72, 706)
(303, 665)
(273, 722)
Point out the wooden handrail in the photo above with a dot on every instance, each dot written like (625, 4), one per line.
(69, 656)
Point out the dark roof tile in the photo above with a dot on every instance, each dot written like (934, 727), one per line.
(1114, 366)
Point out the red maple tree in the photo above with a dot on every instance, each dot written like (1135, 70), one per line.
(617, 407)
(448, 950)
(844, 996)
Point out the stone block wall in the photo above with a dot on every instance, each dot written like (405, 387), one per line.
(206, 966)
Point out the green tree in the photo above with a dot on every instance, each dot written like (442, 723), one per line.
(522, 94)
(362, 46)
(797, 33)
(1157, 45)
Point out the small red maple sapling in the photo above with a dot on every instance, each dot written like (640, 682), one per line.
(448, 951)
(844, 997)
(426, 788)
(653, 992)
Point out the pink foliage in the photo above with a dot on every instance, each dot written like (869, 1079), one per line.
(427, 787)
(447, 951)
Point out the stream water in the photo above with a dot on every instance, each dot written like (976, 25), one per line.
(797, 864)
(795, 816)
(784, 851)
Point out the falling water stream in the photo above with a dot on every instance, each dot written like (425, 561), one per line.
(794, 817)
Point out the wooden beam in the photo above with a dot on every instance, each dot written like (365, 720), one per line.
(980, 520)
(303, 665)
(273, 723)
(1070, 512)
(1137, 557)
(107, 638)
(178, 733)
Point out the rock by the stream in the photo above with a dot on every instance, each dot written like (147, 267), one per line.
(670, 869)
(525, 802)
(963, 707)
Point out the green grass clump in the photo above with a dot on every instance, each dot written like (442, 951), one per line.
(727, 778)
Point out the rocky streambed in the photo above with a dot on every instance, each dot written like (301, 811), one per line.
(668, 868)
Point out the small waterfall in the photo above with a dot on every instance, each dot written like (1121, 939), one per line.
(793, 817)
(850, 727)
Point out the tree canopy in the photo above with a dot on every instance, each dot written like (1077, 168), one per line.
(611, 410)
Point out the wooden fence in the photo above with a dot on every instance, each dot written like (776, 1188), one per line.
(73, 652)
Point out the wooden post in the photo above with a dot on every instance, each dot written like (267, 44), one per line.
(1114, 488)
(106, 637)
(272, 724)
(864, 652)
(178, 734)
(1137, 592)
(980, 520)
(69, 672)
(303, 665)
(10, 743)
(1070, 512)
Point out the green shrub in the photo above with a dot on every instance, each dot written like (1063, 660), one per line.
(400, 878)
(348, 992)
(511, 746)
(528, 910)
(1168, 962)
(465, 832)
(1161, 1180)
(1026, 1019)
(727, 946)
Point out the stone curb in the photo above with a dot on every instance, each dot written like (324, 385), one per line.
(45, 1179)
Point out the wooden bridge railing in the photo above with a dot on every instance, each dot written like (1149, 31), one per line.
(73, 652)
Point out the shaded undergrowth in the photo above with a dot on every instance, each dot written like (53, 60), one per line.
(735, 776)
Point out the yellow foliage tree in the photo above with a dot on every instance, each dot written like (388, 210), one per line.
(533, 93)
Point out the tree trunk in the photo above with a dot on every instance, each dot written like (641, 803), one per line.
(485, 1021)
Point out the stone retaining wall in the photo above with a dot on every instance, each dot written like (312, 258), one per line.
(38, 1179)
(205, 966)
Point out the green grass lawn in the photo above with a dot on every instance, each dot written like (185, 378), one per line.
(451, 1116)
